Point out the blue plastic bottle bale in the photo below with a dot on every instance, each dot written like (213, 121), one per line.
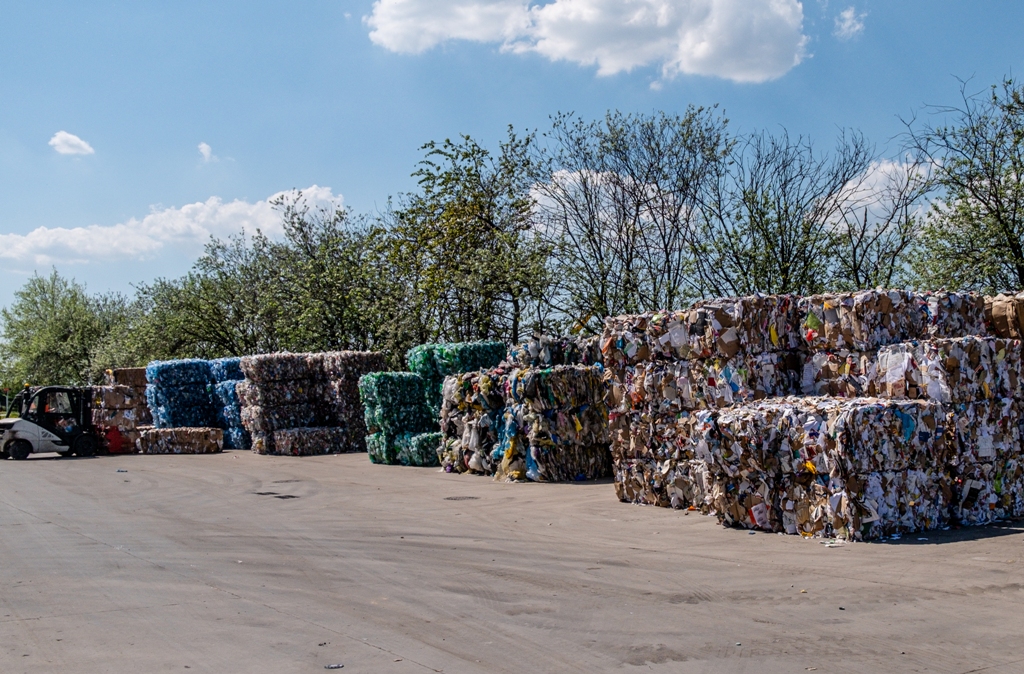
(226, 369)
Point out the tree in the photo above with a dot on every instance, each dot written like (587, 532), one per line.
(51, 330)
(472, 259)
(878, 224)
(767, 214)
(974, 234)
(617, 200)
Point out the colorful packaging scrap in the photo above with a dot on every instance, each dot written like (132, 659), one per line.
(544, 351)
(473, 409)
(860, 468)
(181, 441)
(180, 393)
(713, 328)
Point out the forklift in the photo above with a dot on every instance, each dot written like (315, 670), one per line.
(51, 419)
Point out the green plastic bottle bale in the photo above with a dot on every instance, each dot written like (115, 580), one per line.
(380, 449)
(423, 450)
(394, 402)
(468, 356)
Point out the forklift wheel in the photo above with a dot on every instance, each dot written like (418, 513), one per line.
(19, 449)
(85, 445)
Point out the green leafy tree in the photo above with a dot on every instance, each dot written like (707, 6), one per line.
(974, 234)
(52, 328)
(474, 264)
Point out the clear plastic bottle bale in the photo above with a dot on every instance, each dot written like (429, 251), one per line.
(309, 441)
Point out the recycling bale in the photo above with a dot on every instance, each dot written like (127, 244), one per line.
(555, 426)
(179, 393)
(396, 412)
(472, 411)
(547, 350)
(115, 412)
(181, 441)
(291, 391)
(434, 362)
(135, 379)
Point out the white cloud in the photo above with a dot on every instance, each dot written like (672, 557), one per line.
(740, 40)
(181, 231)
(68, 143)
(849, 24)
(207, 153)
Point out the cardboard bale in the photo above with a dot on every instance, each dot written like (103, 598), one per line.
(868, 319)
(719, 328)
(181, 441)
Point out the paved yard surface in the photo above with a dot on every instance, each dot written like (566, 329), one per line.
(242, 563)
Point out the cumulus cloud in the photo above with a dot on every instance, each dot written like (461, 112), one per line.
(849, 24)
(740, 40)
(181, 231)
(68, 143)
(207, 152)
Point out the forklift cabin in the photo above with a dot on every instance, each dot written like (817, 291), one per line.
(52, 419)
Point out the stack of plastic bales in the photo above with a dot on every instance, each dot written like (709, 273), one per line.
(181, 441)
(305, 403)
(402, 427)
(115, 414)
(227, 373)
(180, 393)
(940, 445)
(135, 379)
(434, 362)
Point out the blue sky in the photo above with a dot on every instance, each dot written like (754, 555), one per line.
(341, 95)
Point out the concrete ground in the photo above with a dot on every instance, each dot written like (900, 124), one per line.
(242, 563)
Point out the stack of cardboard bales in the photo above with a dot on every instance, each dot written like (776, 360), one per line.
(940, 444)
(305, 403)
(135, 379)
(180, 396)
(403, 429)
(115, 412)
